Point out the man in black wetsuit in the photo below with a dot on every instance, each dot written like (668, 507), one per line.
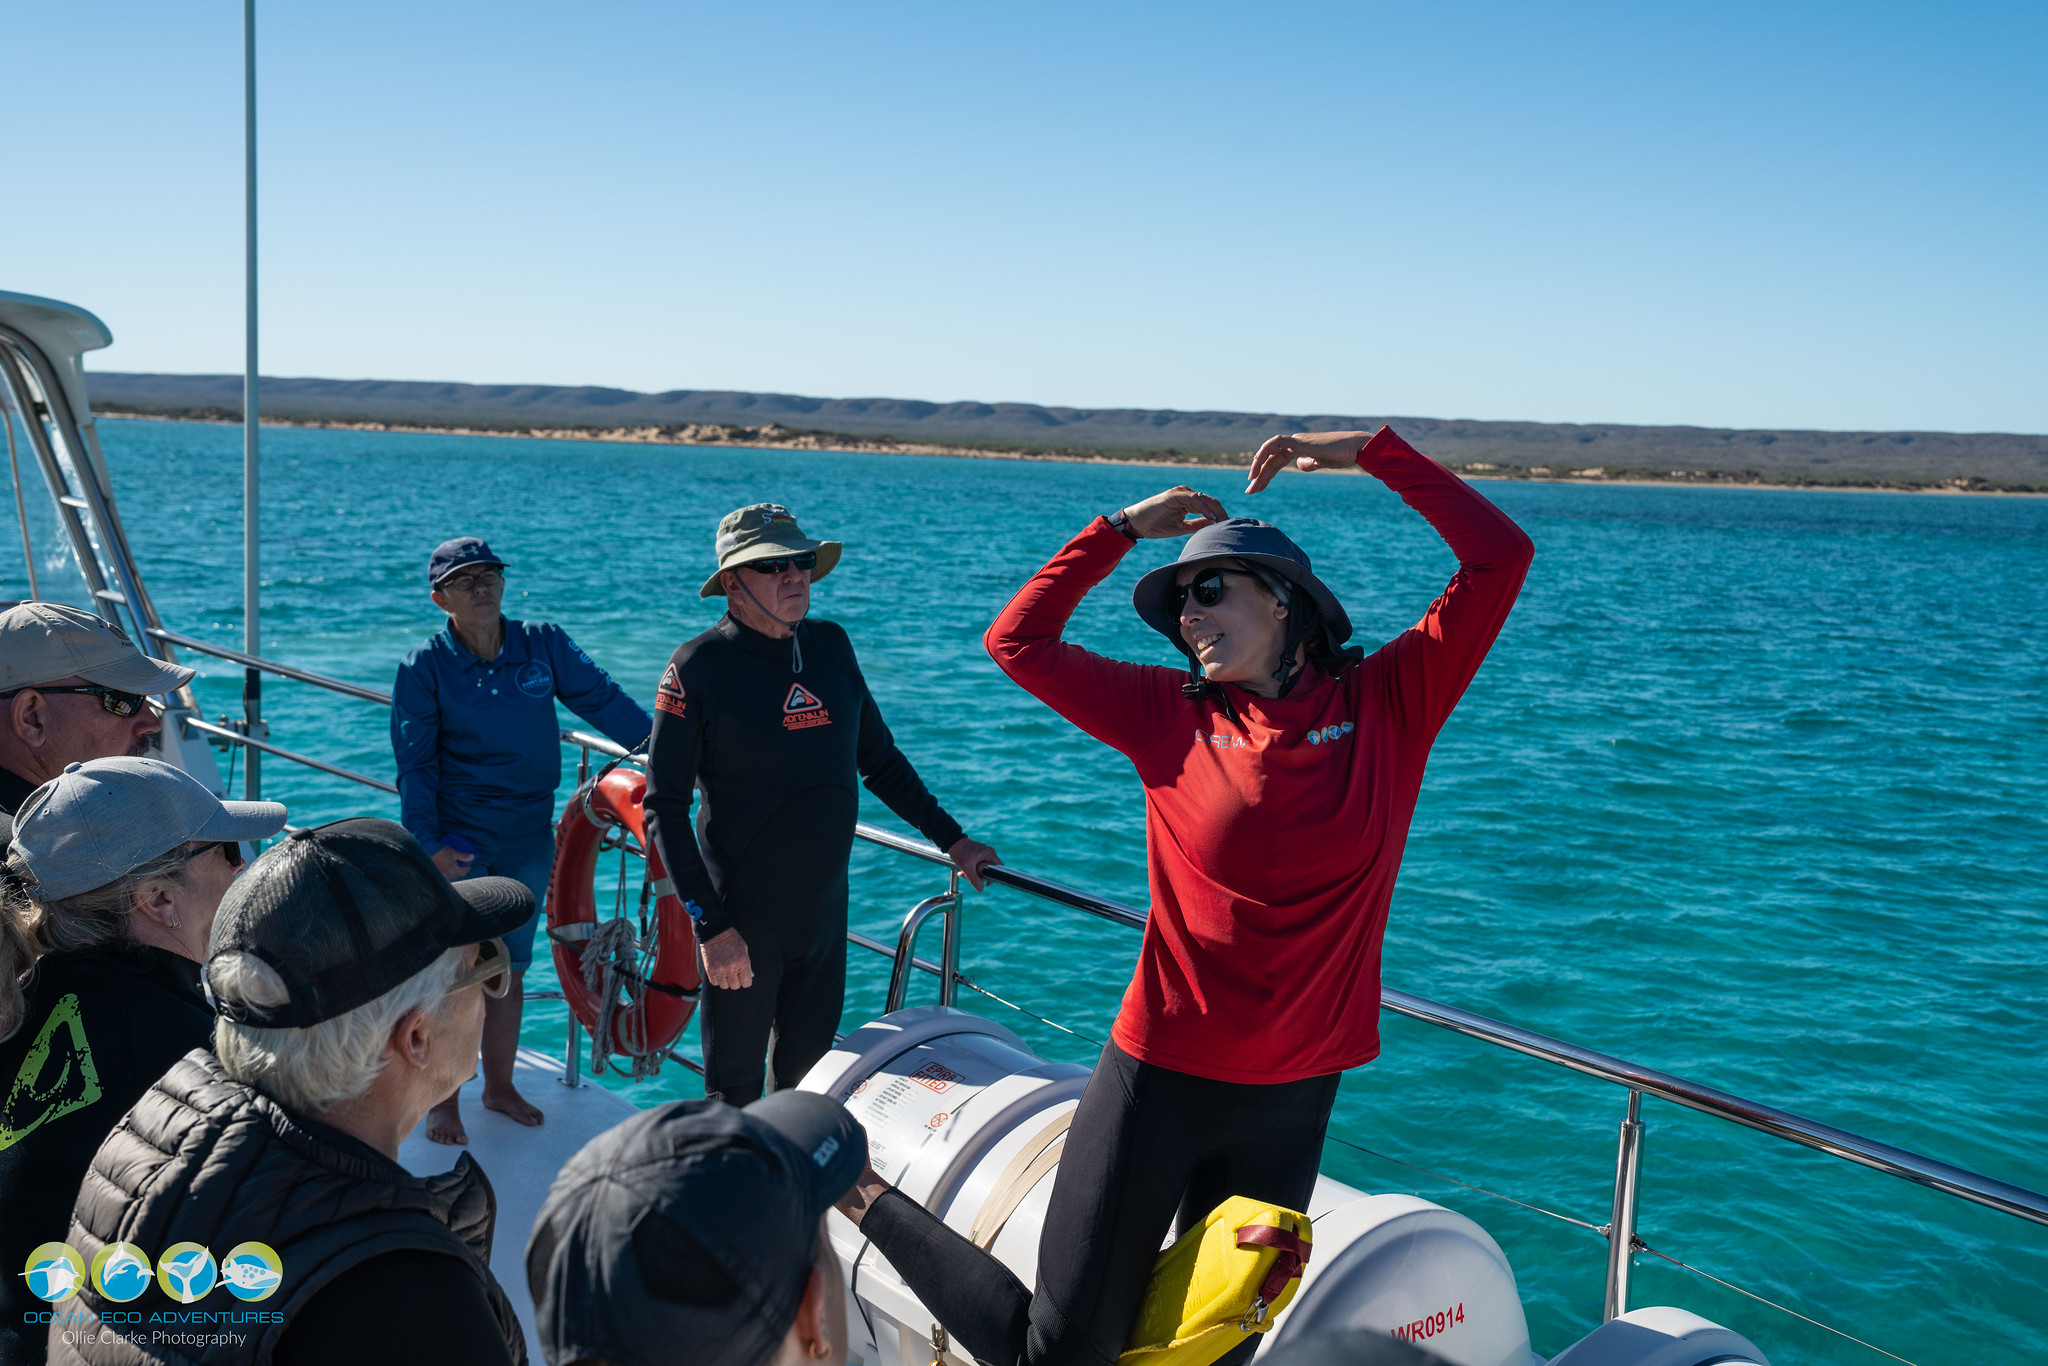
(769, 714)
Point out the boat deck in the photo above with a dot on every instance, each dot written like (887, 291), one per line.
(521, 1162)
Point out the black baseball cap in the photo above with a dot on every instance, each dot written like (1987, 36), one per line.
(344, 913)
(460, 553)
(685, 1236)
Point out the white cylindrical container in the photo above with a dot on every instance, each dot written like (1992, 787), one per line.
(1417, 1271)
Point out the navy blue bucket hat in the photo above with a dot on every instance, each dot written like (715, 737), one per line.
(1257, 543)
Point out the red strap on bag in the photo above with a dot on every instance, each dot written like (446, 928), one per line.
(1287, 1266)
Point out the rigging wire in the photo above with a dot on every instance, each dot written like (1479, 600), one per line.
(963, 980)
(1640, 1245)
(1359, 1147)
(1645, 1247)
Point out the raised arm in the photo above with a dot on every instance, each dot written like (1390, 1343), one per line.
(1426, 668)
(1123, 705)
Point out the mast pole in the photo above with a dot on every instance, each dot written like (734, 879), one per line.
(252, 618)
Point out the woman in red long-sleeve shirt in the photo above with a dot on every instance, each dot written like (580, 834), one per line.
(1281, 774)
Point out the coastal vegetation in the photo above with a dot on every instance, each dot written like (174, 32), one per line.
(1912, 461)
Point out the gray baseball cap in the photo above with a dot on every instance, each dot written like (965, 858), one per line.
(96, 820)
(41, 642)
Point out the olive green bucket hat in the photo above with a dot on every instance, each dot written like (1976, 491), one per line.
(764, 531)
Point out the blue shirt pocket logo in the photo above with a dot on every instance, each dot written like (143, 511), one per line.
(535, 679)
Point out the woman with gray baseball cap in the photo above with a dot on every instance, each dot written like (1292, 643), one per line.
(112, 884)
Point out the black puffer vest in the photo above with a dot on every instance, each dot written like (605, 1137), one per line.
(204, 1159)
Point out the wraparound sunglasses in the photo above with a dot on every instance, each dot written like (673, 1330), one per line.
(113, 700)
(807, 560)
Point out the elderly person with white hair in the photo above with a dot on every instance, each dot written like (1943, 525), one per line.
(110, 889)
(350, 978)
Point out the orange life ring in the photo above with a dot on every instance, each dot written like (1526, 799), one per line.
(650, 1013)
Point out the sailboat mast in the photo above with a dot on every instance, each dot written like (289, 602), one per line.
(252, 619)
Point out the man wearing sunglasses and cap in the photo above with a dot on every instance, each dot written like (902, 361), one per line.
(350, 977)
(768, 713)
(74, 689)
(1281, 772)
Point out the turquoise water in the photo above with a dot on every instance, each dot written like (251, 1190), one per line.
(1751, 790)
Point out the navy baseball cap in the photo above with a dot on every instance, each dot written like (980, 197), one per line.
(686, 1235)
(460, 553)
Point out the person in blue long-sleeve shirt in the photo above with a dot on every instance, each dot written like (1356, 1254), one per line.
(479, 757)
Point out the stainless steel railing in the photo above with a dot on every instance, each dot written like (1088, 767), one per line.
(1639, 1081)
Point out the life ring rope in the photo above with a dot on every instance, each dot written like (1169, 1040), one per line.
(631, 980)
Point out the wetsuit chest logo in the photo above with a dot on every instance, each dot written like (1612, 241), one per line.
(801, 710)
(535, 679)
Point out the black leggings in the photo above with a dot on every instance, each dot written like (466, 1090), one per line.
(1146, 1144)
(798, 994)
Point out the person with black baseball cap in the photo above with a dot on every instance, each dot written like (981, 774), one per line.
(479, 756)
(1281, 771)
(349, 976)
(694, 1235)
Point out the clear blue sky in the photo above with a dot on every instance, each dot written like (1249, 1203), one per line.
(1781, 214)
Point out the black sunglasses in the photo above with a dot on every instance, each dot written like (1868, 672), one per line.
(807, 560)
(231, 850)
(1207, 589)
(113, 700)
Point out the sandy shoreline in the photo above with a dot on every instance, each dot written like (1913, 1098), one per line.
(773, 437)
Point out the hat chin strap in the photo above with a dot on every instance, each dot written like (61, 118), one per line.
(796, 642)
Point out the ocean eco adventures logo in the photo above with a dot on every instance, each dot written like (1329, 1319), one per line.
(187, 1272)
(55, 1272)
(253, 1271)
(120, 1271)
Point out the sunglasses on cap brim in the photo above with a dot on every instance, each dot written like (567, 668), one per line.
(807, 560)
(493, 970)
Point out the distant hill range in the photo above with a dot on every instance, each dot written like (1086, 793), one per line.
(1540, 448)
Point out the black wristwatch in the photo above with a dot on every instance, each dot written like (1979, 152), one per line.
(1121, 520)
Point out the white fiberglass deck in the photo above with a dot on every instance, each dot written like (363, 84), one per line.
(521, 1162)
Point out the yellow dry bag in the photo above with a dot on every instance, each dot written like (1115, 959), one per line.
(1219, 1283)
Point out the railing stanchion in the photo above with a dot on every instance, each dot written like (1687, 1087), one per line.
(1621, 1228)
(582, 766)
(949, 953)
(572, 1059)
(906, 945)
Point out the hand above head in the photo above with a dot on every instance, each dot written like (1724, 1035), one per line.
(726, 962)
(1167, 514)
(970, 856)
(1306, 451)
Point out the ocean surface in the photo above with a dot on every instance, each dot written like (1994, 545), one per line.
(1750, 790)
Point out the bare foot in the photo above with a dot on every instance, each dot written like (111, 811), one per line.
(510, 1102)
(444, 1123)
